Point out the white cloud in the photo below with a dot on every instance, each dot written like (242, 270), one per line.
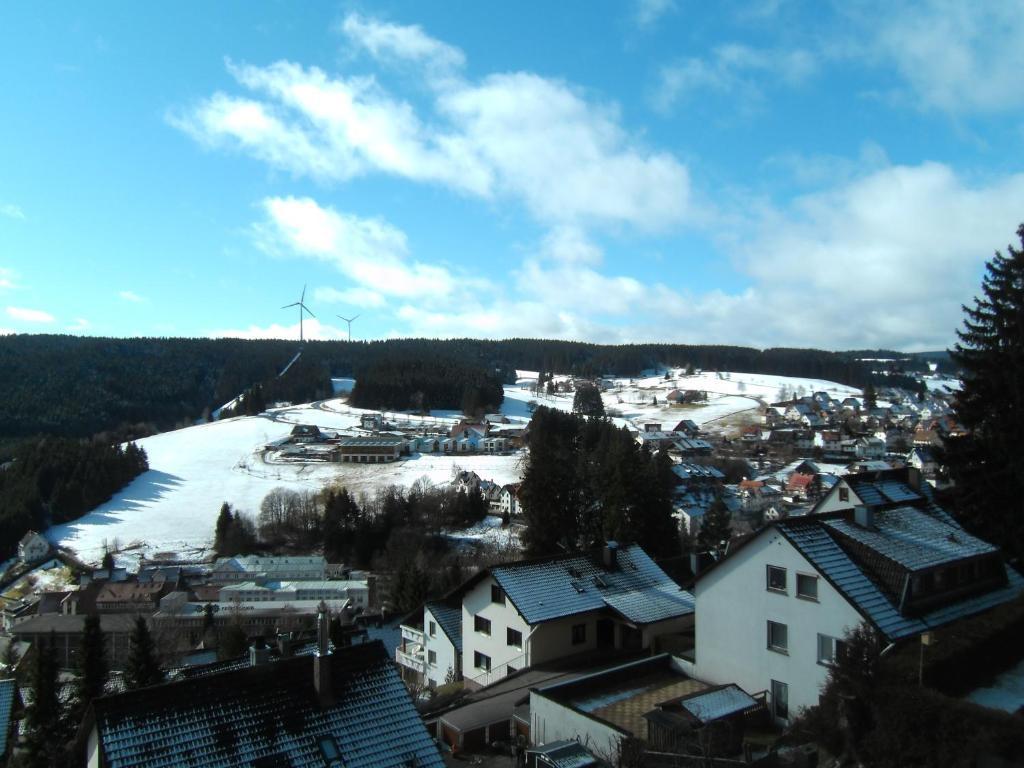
(518, 135)
(371, 252)
(404, 43)
(570, 245)
(311, 329)
(734, 69)
(80, 324)
(6, 278)
(131, 296)
(30, 315)
(883, 260)
(648, 12)
(956, 55)
(12, 211)
(358, 297)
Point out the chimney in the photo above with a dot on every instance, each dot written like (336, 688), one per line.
(611, 555)
(914, 478)
(284, 644)
(259, 653)
(864, 516)
(322, 658)
(695, 564)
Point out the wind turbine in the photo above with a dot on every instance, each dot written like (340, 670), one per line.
(302, 308)
(349, 321)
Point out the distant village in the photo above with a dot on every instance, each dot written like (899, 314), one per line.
(575, 659)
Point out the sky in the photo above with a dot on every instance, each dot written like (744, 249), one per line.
(768, 173)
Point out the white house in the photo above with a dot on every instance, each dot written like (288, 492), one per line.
(33, 547)
(509, 500)
(772, 615)
(431, 649)
(525, 613)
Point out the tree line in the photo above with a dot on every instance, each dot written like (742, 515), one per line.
(423, 384)
(54, 480)
(77, 386)
(587, 481)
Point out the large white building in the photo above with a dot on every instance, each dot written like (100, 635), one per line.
(877, 550)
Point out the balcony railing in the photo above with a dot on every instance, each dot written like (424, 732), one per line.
(412, 635)
(410, 661)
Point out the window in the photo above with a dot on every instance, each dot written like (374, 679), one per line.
(776, 578)
(514, 637)
(497, 594)
(481, 661)
(480, 624)
(433, 629)
(830, 649)
(778, 637)
(431, 657)
(780, 700)
(579, 634)
(844, 493)
(807, 586)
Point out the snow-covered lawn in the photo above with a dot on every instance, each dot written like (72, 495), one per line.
(173, 506)
(1006, 691)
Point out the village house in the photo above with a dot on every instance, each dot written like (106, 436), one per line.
(529, 612)
(340, 707)
(430, 653)
(877, 550)
(509, 504)
(33, 547)
(252, 567)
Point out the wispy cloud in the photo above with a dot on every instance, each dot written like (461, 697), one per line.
(648, 12)
(80, 324)
(6, 278)
(30, 315)
(739, 71)
(959, 56)
(357, 297)
(131, 296)
(371, 252)
(538, 140)
(12, 211)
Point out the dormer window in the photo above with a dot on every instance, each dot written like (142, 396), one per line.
(497, 594)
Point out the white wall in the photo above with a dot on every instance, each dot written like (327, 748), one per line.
(734, 606)
(478, 602)
(441, 646)
(831, 502)
(551, 721)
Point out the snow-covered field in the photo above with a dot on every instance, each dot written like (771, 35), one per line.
(643, 399)
(173, 506)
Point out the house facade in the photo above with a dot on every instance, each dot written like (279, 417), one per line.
(876, 550)
(33, 547)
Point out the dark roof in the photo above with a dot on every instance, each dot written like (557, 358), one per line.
(8, 696)
(567, 753)
(268, 716)
(814, 539)
(450, 619)
(716, 703)
(635, 587)
(72, 623)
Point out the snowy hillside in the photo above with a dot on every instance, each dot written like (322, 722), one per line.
(173, 506)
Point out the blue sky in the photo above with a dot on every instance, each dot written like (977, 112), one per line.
(769, 173)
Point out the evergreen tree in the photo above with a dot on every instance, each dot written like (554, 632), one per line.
(233, 642)
(92, 665)
(716, 528)
(987, 465)
(224, 522)
(142, 668)
(45, 726)
(870, 396)
(108, 560)
(587, 401)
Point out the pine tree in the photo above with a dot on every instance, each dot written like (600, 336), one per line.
(44, 721)
(870, 397)
(142, 668)
(716, 528)
(987, 465)
(224, 521)
(92, 665)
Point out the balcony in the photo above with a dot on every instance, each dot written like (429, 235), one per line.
(412, 635)
(410, 661)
